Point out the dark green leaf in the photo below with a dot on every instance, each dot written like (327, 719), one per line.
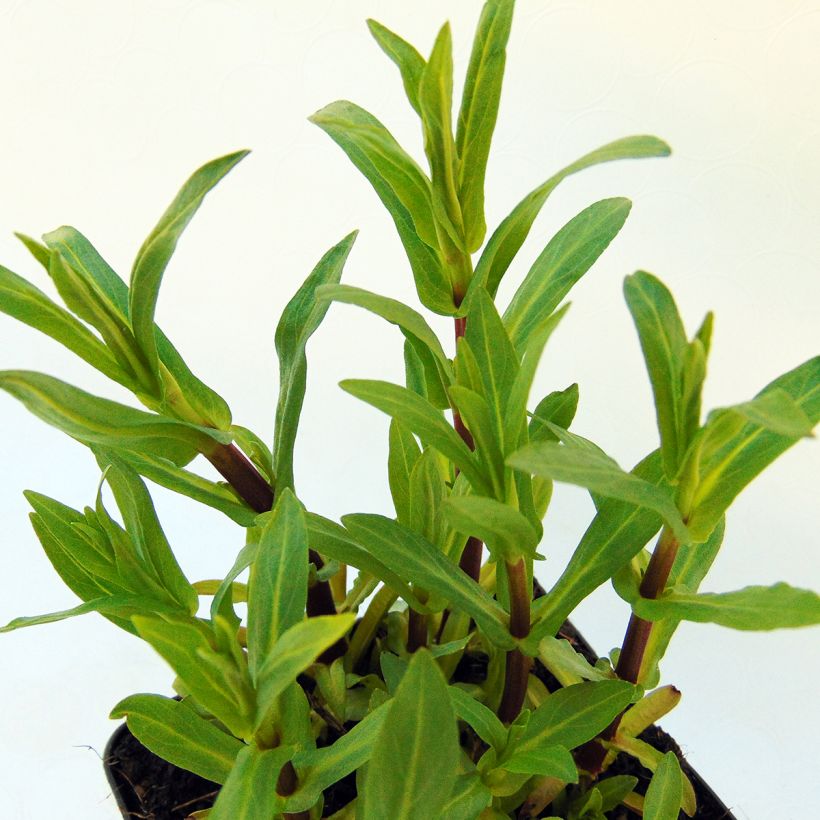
(250, 792)
(93, 420)
(663, 797)
(300, 318)
(420, 417)
(614, 789)
(413, 765)
(752, 608)
(403, 189)
(508, 238)
(410, 63)
(413, 558)
(506, 532)
(178, 734)
(155, 253)
(277, 586)
(567, 257)
(478, 113)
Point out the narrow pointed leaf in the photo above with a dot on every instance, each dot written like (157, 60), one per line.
(413, 766)
(544, 761)
(468, 798)
(249, 792)
(506, 532)
(411, 557)
(663, 797)
(176, 733)
(648, 710)
(566, 258)
(94, 420)
(297, 649)
(403, 454)
(155, 253)
(508, 238)
(403, 189)
(733, 457)
(557, 408)
(478, 113)
(419, 416)
(483, 720)
(567, 665)
(300, 318)
(664, 345)
(409, 62)
(752, 608)
(599, 474)
(277, 586)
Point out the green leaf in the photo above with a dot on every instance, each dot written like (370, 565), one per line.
(506, 532)
(468, 798)
(752, 608)
(508, 238)
(648, 710)
(93, 420)
(544, 761)
(476, 414)
(566, 258)
(319, 768)
(178, 734)
(155, 253)
(413, 558)
(576, 464)
(483, 720)
(663, 797)
(614, 789)
(410, 63)
(664, 345)
(403, 189)
(413, 765)
(567, 665)
(419, 416)
(217, 495)
(412, 323)
(558, 408)
(436, 103)
(28, 304)
(297, 649)
(250, 792)
(277, 586)
(478, 113)
(571, 716)
(142, 525)
(300, 318)
(733, 454)
(332, 540)
(776, 411)
(403, 454)
(119, 606)
(212, 678)
(427, 492)
(617, 533)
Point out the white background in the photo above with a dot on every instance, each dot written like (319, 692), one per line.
(108, 106)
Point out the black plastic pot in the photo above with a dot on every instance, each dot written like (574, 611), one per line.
(148, 787)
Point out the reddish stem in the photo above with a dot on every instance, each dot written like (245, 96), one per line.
(518, 664)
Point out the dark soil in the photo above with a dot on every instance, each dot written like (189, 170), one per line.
(149, 788)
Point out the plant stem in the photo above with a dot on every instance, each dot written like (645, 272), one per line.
(255, 491)
(518, 664)
(285, 786)
(630, 660)
(416, 630)
(470, 561)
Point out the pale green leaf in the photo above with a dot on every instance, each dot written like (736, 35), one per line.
(403, 454)
(409, 62)
(663, 797)
(482, 719)
(176, 733)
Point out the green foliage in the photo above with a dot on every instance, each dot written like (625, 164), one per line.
(422, 676)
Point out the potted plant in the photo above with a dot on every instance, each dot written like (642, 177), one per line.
(407, 666)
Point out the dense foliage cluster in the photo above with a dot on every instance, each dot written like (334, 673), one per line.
(426, 672)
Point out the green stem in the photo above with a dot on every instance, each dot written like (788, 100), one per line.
(518, 664)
